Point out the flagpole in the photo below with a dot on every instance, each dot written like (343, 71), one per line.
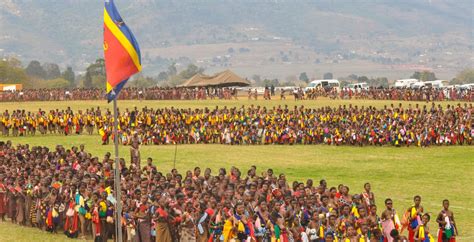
(118, 190)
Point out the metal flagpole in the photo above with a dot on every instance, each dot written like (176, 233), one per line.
(118, 190)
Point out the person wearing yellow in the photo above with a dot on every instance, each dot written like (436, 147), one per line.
(414, 217)
(422, 231)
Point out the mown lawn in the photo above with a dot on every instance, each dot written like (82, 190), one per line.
(82, 105)
(435, 173)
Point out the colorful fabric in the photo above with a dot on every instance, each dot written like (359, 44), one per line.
(121, 51)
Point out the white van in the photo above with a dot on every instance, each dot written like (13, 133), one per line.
(326, 84)
(405, 83)
(417, 85)
(469, 86)
(437, 84)
(358, 86)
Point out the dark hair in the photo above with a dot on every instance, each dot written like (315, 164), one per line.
(394, 233)
(417, 196)
(387, 200)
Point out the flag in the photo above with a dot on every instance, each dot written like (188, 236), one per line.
(121, 51)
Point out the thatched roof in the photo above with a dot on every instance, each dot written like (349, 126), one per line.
(222, 79)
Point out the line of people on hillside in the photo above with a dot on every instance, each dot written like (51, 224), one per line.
(396, 125)
(402, 94)
(157, 93)
(71, 191)
(131, 93)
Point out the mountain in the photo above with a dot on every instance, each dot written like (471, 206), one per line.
(431, 34)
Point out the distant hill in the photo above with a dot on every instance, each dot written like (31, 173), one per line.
(383, 32)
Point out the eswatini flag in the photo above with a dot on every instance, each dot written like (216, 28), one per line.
(121, 51)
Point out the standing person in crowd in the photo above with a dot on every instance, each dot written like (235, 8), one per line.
(447, 226)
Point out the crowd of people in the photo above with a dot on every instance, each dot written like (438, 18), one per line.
(70, 191)
(396, 125)
(154, 93)
(408, 94)
(181, 93)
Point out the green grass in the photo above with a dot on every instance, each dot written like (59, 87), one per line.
(82, 105)
(435, 173)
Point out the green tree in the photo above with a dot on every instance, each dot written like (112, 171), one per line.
(424, 76)
(52, 71)
(327, 76)
(87, 80)
(172, 71)
(362, 79)
(11, 72)
(139, 80)
(190, 71)
(163, 76)
(352, 77)
(69, 75)
(378, 82)
(304, 77)
(34, 69)
(256, 78)
(274, 82)
(463, 77)
(95, 74)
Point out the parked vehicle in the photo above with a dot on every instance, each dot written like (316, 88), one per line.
(438, 84)
(326, 84)
(404, 83)
(358, 86)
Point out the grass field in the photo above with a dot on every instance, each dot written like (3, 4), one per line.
(435, 173)
(82, 105)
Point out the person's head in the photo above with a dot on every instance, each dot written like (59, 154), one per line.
(329, 237)
(426, 218)
(394, 234)
(364, 228)
(197, 171)
(373, 209)
(351, 231)
(270, 172)
(367, 186)
(239, 207)
(346, 210)
(362, 211)
(389, 203)
(446, 204)
(144, 199)
(332, 219)
(417, 200)
(323, 183)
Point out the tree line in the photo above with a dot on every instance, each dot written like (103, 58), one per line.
(50, 75)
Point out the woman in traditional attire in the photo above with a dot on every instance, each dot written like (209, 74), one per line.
(142, 213)
(3, 192)
(163, 232)
(20, 206)
(11, 198)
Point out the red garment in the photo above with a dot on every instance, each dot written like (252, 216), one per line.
(162, 213)
(3, 200)
(96, 221)
(411, 234)
(440, 236)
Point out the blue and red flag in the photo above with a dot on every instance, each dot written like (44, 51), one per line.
(121, 51)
